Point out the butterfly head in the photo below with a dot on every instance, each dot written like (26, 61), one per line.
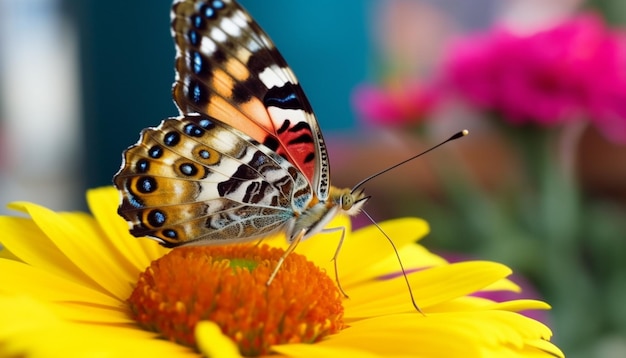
(348, 200)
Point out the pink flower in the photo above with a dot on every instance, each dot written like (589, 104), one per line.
(393, 106)
(574, 70)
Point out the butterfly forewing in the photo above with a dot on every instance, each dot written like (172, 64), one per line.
(196, 179)
(229, 69)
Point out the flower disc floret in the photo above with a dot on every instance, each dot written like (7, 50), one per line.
(227, 285)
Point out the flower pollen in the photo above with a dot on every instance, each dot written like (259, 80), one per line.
(227, 285)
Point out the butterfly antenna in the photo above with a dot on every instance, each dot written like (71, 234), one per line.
(395, 250)
(458, 135)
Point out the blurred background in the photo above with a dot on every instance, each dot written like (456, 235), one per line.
(540, 183)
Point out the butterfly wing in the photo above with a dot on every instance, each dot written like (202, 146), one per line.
(229, 69)
(195, 179)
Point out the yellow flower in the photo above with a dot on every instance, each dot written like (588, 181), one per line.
(67, 282)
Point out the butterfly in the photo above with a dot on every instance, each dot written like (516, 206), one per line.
(245, 158)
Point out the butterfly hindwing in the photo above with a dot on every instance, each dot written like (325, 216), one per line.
(195, 179)
(229, 69)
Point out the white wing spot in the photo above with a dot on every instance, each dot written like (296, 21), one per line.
(230, 27)
(207, 46)
(218, 35)
(227, 144)
(294, 115)
(273, 76)
(266, 41)
(240, 19)
(253, 46)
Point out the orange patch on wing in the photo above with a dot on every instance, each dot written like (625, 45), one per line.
(231, 115)
(237, 69)
(255, 109)
(223, 83)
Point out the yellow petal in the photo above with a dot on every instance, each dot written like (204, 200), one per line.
(318, 350)
(544, 346)
(458, 334)
(21, 279)
(465, 303)
(79, 239)
(135, 252)
(520, 305)
(89, 313)
(385, 339)
(503, 285)
(416, 255)
(470, 303)
(212, 343)
(430, 287)
(29, 328)
(368, 246)
(25, 240)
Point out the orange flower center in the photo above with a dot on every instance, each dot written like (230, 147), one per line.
(227, 285)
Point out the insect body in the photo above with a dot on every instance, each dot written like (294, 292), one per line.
(245, 158)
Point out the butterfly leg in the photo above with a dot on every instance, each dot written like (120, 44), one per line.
(289, 250)
(334, 259)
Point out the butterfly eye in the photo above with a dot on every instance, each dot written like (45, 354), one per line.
(347, 200)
